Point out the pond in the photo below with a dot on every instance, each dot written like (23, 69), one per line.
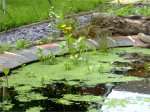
(71, 83)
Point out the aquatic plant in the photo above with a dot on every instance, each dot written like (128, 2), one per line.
(6, 72)
(69, 43)
(68, 65)
(100, 69)
(74, 59)
(48, 59)
(103, 40)
(147, 66)
(81, 45)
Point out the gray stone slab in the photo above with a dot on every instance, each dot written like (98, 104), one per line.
(123, 42)
(31, 56)
(8, 62)
(18, 58)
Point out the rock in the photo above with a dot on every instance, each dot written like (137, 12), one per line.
(143, 37)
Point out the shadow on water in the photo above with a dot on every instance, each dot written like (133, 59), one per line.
(53, 92)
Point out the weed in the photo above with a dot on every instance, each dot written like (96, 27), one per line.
(90, 68)
(52, 14)
(5, 47)
(6, 72)
(147, 66)
(100, 69)
(22, 43)
(23, 12)
(4, 94)
(48, 59)
(81, 45)
(44, 41)
(68, 65)
(75, 59)
(103, 41)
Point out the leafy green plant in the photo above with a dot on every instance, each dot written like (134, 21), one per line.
(103, 41)
(68, 65)
(22, 43)
(5, 47)
(75, 59)
(48, 59)
(147, 66)
(81, 45)
(52, 13)
(6, 72)
(44, 41)
(100, 69)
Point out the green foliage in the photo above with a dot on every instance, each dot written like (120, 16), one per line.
(81, 45)
(20, 12)
(147, 66)
(22, 43)
(5, 47)
(70, 6)
(103, 41)
(52, 14)
(129, 10)
(68, 65)
(6, 71)
(6, 105)
(75, 59)
(48, 59)
(29, 97)
(44, 41)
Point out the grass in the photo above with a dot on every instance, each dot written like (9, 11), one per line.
(129, 10)
(20, 12)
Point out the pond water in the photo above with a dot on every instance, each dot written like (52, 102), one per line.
(72, 84)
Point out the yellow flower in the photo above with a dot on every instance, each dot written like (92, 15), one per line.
(68, 29)
(63, 26)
